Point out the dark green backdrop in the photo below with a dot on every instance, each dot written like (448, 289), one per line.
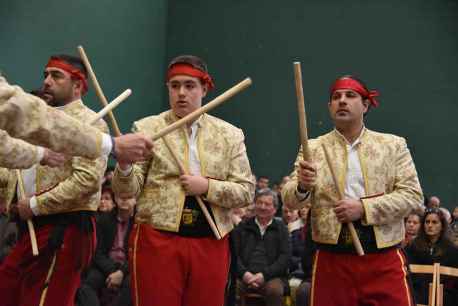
(406, 49)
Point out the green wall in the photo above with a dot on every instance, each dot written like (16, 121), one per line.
(405, 49)
(124, 40)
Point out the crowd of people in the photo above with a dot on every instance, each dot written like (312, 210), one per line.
(184, 221)
(431, 235)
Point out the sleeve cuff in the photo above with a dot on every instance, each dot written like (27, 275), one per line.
(366, 218)
(106, 144)
(40, 153)
(34, 205)
(300, 195)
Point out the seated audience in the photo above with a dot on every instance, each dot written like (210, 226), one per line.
(433, 201)
(263, 251)
(412, 223)
(237, 215)
(108, 275)
(433, 245)
(302, 294)
(454, 226)
(447, 214)
(107, 202)
(294, 224)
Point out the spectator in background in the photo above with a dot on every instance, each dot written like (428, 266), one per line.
(413, 222)
(447, 214)
(108, 175)
(262, 183)
(302, 293)
(108, 276)
(237, 215)
(107, 202)
(433, 201)
(454, 226)
(249, 212)
(295, 224)
(433, 245)
(263, 251)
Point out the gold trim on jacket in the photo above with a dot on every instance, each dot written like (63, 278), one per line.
(223, 159)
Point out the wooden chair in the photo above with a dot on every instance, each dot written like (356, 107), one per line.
(436, 289)
(428, 269)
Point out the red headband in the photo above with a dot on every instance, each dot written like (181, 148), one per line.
(186, 69)
(349, 83)
(75, 72)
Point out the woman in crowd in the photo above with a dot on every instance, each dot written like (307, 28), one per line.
(433, 245)
(413, 222)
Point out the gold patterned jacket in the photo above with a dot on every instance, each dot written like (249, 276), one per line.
(75, 186)
(15, 153)
(390, 180)
(223, 159)
(29, 118)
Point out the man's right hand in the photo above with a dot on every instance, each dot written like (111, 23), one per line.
(53, 159)
(131, 148)
(306, 175)
(248, 277)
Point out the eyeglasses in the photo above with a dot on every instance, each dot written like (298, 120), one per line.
(432, 210)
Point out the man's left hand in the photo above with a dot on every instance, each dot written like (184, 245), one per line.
(114, 280)
(349, 210)
(23, 207)
(194, 184)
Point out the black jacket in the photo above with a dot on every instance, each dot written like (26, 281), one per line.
(106, 233)
(277, 244)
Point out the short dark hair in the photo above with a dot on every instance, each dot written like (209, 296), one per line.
(192, 60)
(72, 60)
(267, 192)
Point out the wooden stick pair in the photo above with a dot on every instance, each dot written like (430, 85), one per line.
(306, 152)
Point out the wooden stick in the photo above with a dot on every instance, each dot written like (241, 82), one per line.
(111, 106)
(206, 108)
(301, 111)
(440, 287)
(21, 196)
(198, 198)
(98, 90)
(434, 289)
(351, 227)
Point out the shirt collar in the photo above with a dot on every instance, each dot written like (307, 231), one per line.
(259, 224)
(356, 142)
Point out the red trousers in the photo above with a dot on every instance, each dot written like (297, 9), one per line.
(168, 269)
(22, 275)
(378, 279)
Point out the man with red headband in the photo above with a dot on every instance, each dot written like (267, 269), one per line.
(376, 173)
(27, 117)
(61, 203)
(175, 258)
